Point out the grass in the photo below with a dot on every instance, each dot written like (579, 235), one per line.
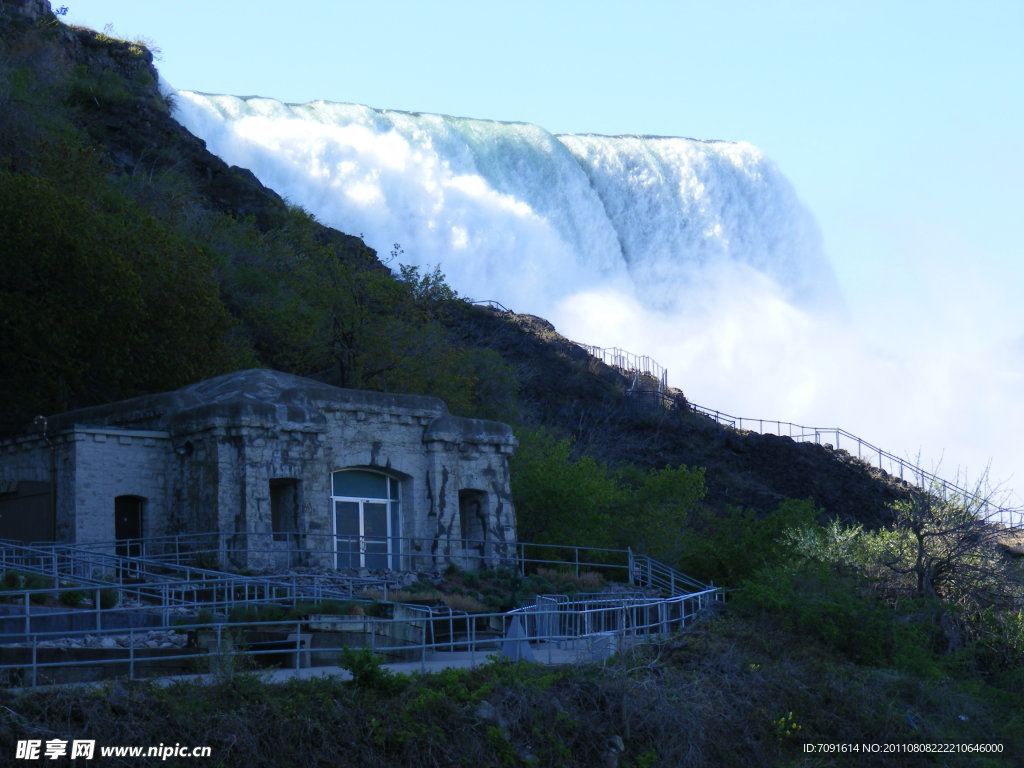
(732, 690)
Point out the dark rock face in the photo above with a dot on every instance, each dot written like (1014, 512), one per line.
(123, 110)
(564, 387)
(26, 11)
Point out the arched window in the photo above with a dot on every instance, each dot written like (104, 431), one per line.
(366, 512)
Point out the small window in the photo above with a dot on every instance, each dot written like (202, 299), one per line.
(284, 507)
(473, 516)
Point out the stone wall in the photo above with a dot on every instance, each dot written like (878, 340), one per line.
(207, 458)
(111, 463)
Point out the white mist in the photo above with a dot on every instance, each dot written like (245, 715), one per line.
(697, 253)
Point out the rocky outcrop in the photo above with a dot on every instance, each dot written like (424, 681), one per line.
(115, 88)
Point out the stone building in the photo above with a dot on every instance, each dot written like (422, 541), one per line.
(278, 469)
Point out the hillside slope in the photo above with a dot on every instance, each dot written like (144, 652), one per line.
(75, 99)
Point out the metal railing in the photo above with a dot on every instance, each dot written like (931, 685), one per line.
(553, 624)
(653, 574)
(640, 367)
(834, 438)
(888, 464)
(195, 556)
(164, 584)
(491, 303)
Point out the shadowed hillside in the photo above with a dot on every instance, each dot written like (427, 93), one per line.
(77, 98)
(134, 262)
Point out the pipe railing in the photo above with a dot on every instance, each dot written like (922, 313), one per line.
(834, 437)
(891, 465)
(175, 556)
(552, 625)
(637, 365)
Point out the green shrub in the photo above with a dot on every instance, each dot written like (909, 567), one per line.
(835, 609)
(73, 598)
(729, 548)
(367, 671)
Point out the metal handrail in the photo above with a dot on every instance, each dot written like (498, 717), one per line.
(567, 622)
(888, 463)
(638, 365)
(647, 572)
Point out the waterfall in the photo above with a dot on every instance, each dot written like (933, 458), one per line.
(514, 213)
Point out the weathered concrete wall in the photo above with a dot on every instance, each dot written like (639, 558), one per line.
(204, 458)
(109, 463)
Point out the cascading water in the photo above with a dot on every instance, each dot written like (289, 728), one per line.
(514, 213)
(696, 253)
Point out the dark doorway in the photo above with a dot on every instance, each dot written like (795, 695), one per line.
(128, 525)
(284, 507)
(473, 522)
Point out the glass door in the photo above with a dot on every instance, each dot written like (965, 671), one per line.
(375, 535)
(347, 523)
(366, 520)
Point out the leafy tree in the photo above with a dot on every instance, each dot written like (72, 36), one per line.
(98, 300)
(563, 498)
(560, 498)
(655, 507)
(728, 548)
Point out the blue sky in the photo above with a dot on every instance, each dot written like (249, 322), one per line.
(899, 124)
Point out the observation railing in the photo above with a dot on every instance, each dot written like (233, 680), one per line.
(831, 437)
(638, 366)
(889, 464)
(561, 628)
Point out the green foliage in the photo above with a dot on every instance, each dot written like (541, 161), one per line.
(862, 592)
(120, 285)
(73, 598)
(654, 507)
(811, 598)
(947, 545)
(104, 87)
(430, 288)
(368, 673)
(99, 300)
(729, 548)
(767, 687)
(309, 309)
(504, 588)
(561, 498)
(257, 613)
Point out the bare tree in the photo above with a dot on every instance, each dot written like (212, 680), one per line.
(947, 542)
